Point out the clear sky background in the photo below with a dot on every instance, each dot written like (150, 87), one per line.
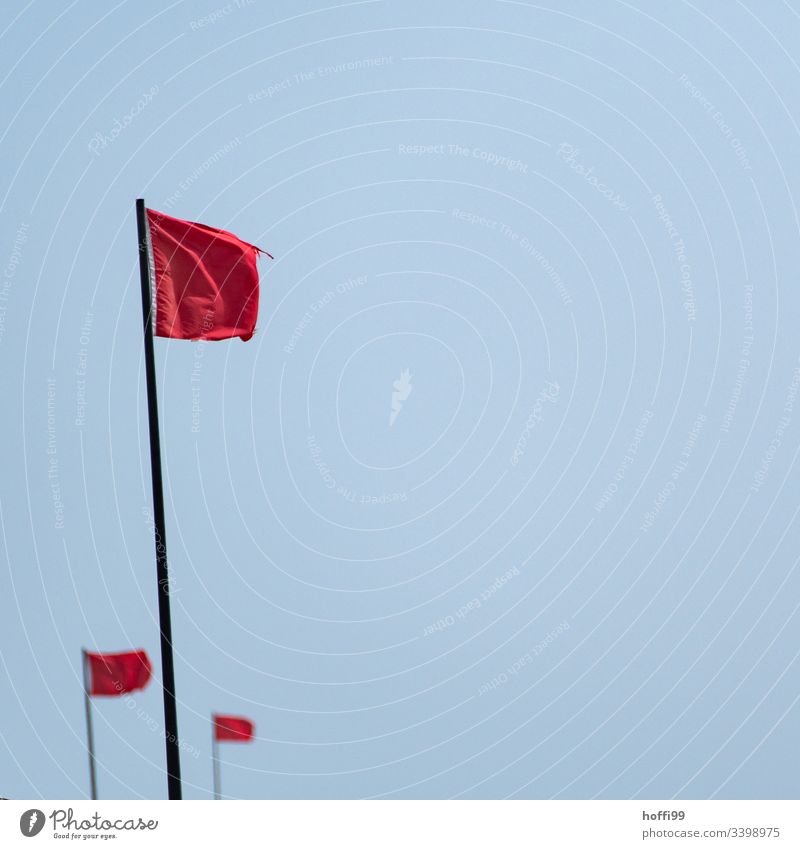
(568, 567)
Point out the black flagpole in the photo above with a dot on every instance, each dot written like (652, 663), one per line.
(87, 703)
(215, 758)
(162, 568)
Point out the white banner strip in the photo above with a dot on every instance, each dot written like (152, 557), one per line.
(404, 824)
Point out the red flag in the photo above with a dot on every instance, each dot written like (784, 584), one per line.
(206, 281)
(119, 673)
(235, 728)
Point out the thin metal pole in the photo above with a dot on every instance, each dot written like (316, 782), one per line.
(215, 760)
(162, 568)
(87, 703)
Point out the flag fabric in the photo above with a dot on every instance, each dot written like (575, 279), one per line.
(118, 673)
(205, 282)
(233, 728)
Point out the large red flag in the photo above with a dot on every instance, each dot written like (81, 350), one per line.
(118, 673)
(235, 728)
(206, 280)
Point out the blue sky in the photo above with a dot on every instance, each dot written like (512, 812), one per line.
(500, 499)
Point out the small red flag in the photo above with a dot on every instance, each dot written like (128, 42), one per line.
(206, 281)
(118, 673)
(235, 728)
